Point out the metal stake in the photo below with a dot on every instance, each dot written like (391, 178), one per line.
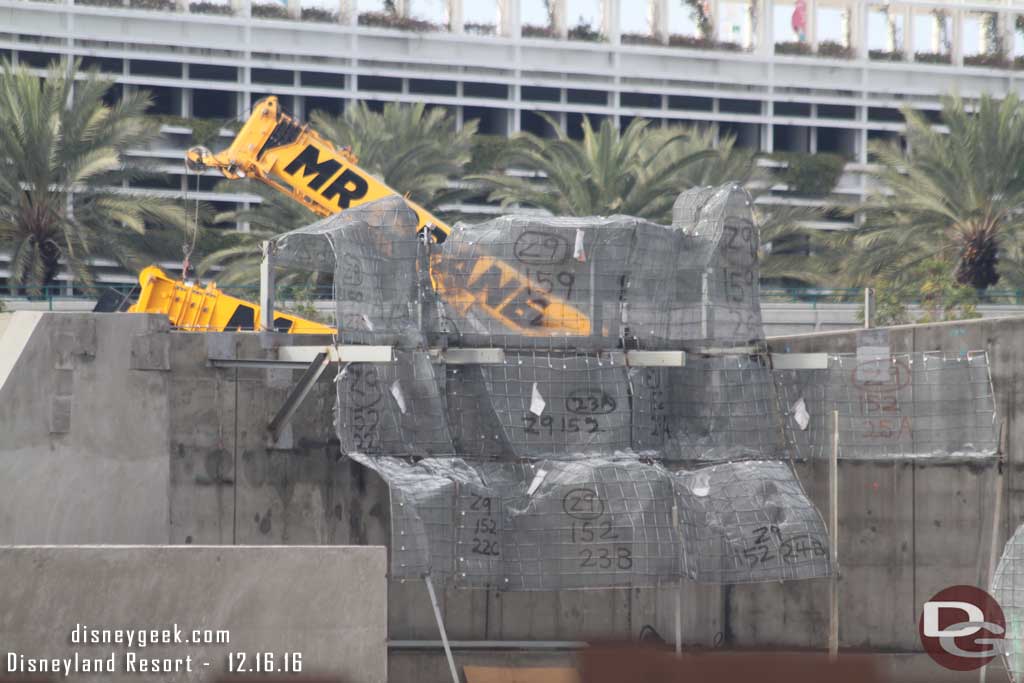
(833, 495)
(440, 627)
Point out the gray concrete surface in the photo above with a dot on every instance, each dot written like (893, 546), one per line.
(83, 440)
(178, 453)
(324, 603)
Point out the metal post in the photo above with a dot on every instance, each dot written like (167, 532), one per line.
(833, 497)
(679, 593)
(679, 618)
(997, 512)
(267, 286)
(440, 627)
(869, 303)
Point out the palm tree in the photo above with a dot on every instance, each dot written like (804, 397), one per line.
(416, 151)
(956, 197)
(276, 213)
(638, 171)
(61, 177)
(784, 242)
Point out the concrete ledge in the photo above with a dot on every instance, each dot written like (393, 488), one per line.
(323, 608)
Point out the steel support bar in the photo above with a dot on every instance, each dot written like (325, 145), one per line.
(298, 394)
(258, 364)
(440, 627)
(488, 644)
(799, 361)
(465, 356)
(267, 287)
(656, 359)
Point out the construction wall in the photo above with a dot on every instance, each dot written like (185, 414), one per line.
(241, 599)
(161, 447)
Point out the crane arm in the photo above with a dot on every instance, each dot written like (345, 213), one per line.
(275, 149)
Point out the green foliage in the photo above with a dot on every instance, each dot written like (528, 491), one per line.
(995, 60)
(639, 39)
(158, 5)
(811, 175)
(479, 28)
(486, 153)
(830, 48)
(700, 15)
(956, 199)
(584, 31)
(415, 150)
(319, 14)
(933, 287)
(388, 19)
(205, 132)
(58, 135)
(300, 300)
(239, 255)
(701, 43)
(206, 7)
(535, 31)
(793, 47)
(637, 171)
(885, 55)
(269, 10)
(784, 243)
(932, 57)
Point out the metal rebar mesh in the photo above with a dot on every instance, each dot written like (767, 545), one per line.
(1008, 590)
(547, 470)
(611, 522)
(396, 408)
(722, 408)
(905, 405)
(751, 521)
(380, 287)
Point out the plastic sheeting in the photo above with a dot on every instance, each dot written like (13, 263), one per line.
(1008, 590)
(562, 466)
(611, 522)
(902, 405)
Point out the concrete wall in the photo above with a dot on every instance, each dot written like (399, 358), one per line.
(83, 439)
(210, 476)
(250, 592)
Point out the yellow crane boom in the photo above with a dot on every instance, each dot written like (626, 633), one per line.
(207, 309)
(276, 149)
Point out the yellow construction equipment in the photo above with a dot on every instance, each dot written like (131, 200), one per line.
(276, 149)
(202, 309)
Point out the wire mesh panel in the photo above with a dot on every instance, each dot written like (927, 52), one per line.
(662, 302)
(750, 521)
(598, 523)
(603, 522)
(1008, 590)
(422, 514)
(557, 405)
(724, 408)
(917, 405)
(534, 278)
(393, 408)
(380, 285)
(720, 222)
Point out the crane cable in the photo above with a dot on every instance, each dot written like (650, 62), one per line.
(187, 248)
